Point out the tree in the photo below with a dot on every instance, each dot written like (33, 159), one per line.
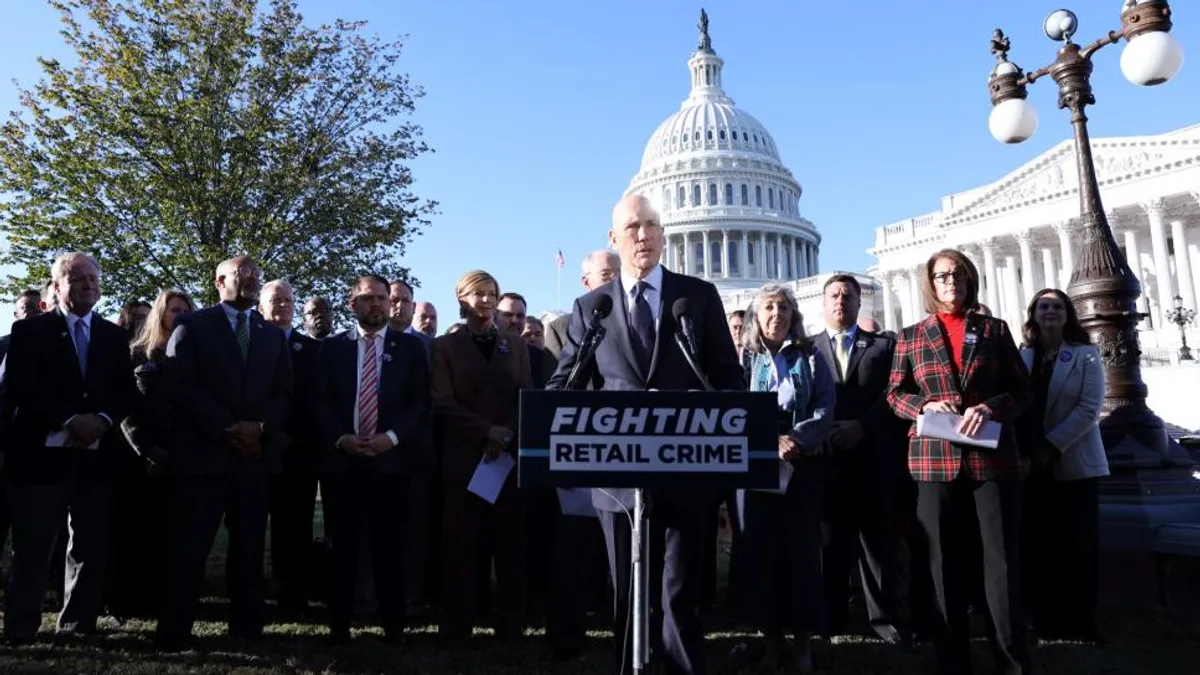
(194, 130)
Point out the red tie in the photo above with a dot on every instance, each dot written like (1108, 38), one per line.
(368, 391)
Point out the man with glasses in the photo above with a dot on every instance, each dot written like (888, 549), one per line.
(232, 395)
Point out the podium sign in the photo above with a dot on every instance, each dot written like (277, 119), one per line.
(648, 439)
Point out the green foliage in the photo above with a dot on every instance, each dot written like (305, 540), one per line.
(190, 131)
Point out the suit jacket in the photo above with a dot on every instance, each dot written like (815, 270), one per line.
(1072, 414)
(541, 367)
(213, 388)
(615, 367)
(300, 428)
(556, 334)
(403, 401)
(425, 340)
(471, 394)
(992, 374)
(862, 397)
(46, 387)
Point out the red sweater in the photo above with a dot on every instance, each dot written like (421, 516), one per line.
(955, 326)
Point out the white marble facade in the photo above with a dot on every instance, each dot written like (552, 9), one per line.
(1021, 231)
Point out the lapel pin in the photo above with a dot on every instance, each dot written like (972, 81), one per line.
(297, 346)
(861, 344)
(1064, 357)
(387, 358)
(503, 347)
(970, 338)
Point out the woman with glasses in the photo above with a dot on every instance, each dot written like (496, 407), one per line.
(959, 362)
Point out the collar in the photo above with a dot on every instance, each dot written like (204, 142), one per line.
(72, 319)
(852, 331)
(359, 334)
(654, 279)
(287, 334)
(232, 312)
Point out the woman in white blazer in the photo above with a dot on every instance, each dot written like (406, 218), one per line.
(1062, 436)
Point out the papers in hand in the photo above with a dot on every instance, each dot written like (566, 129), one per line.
(490, 475)
(59, 439)
(944, 426)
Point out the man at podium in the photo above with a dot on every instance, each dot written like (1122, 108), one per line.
(639, 353)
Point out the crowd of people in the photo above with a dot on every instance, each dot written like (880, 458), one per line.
(127, 445)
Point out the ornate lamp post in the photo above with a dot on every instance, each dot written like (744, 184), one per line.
(1182, 317)
(1103, 288)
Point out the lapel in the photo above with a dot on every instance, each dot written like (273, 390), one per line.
(260, 347)
(974, 326)
(1058, 376)
(666, 322)
(621, 309)
(228, 338)
(936, 345)
(390, 368)
(862, 342)
(822, 342)
(67, 344)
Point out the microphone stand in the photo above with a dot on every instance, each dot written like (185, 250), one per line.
(587, 350)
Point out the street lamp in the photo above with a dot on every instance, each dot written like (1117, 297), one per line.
(1103, 288)
(1182, 317)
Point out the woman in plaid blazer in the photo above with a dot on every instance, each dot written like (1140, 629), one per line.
(958, 360)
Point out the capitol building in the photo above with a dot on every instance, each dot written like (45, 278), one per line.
(730, 209)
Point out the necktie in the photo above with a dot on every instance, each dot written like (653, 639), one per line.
(843, 350)
(368, 390)
(242, 332)
(81, 345)
(643, 326)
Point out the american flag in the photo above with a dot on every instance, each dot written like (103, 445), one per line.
(559, 260)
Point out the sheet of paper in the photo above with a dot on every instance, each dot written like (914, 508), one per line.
(576, 502)
(59, 439)
(490, 475)
(944, 425)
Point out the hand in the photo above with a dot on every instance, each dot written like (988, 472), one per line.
(85, 430)
(788, 448)
(974, 419)
(246, 438)
(500, 436)
(156, 456)
(376, 445)
(847, 435)
(492, 451)
(939, 406)
(351, 445)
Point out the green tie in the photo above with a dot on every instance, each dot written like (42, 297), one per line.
(242, 332)
(842, 354)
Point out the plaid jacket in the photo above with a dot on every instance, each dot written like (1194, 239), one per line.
(992, 374)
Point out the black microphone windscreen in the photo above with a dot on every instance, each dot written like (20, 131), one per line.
(679, 308)
(603, 308)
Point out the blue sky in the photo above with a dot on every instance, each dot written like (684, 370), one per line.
(539, 111)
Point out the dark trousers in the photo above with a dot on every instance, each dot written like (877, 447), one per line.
(541, 512)
(858, 516)
(464, 519)
(1059, 551)
(377, 502)
(416, 541)
(195, 507)
(293, 509)
(576, 578)
(945, 511)
(38, 513)
(139, 527)
(676, 540)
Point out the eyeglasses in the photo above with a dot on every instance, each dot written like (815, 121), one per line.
(944, 278)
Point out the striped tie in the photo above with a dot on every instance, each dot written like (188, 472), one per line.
(368, 390)
(241, 331)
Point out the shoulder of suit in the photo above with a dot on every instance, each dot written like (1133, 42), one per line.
(561, 321)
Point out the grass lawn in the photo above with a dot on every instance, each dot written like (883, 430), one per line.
(1142, 641)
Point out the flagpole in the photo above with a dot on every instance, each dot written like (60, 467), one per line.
(558, 284)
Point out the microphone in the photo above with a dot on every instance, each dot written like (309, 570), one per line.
(591, 340)
(685, 338)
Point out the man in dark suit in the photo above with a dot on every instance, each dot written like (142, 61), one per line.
(231, 374)
(599, 268)
(868, 459)
(294, 490)
(640, 354)
(69, 384)
(372, 403)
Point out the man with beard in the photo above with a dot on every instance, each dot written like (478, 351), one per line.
(318, 318)
(372, 401)
(232, 391)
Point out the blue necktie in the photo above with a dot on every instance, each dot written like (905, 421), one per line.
(81, 345)
(642, 326)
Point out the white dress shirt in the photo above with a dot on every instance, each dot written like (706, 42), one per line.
(851, 335)
(653, 294)
(231, 313)
(379, 338)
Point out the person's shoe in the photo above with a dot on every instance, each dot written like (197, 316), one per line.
(890, 635)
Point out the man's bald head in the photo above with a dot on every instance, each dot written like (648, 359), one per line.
(239, 281)
(636, 235)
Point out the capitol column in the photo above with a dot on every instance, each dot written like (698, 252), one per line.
(1027, 272)
(762, 255)
(797, 249)
(889, 319)
(1049, 271)
(901, 282)
(724, 254)
(707, 272)
(1183, 266)
(1065, 252)
(993, 279)
(1014, 308)
(778, 256)
(683, 265)
(744, 255)
(1162, 263)
(915, 296)
(1134, 257)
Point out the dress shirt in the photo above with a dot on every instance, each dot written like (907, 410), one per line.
(653, 294)
(287, 334)
(851, 335)
(86, 320)
(360, 339)
(231, 313)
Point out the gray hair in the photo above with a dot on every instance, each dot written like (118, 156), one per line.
(277, 283)
(58, 270)
(610, 256)
(752, 333)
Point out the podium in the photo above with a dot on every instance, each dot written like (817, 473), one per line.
(648, 440)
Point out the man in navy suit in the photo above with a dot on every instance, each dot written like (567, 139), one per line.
(372, 402)
(69, 384)
(231, 377)
(640, 354)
